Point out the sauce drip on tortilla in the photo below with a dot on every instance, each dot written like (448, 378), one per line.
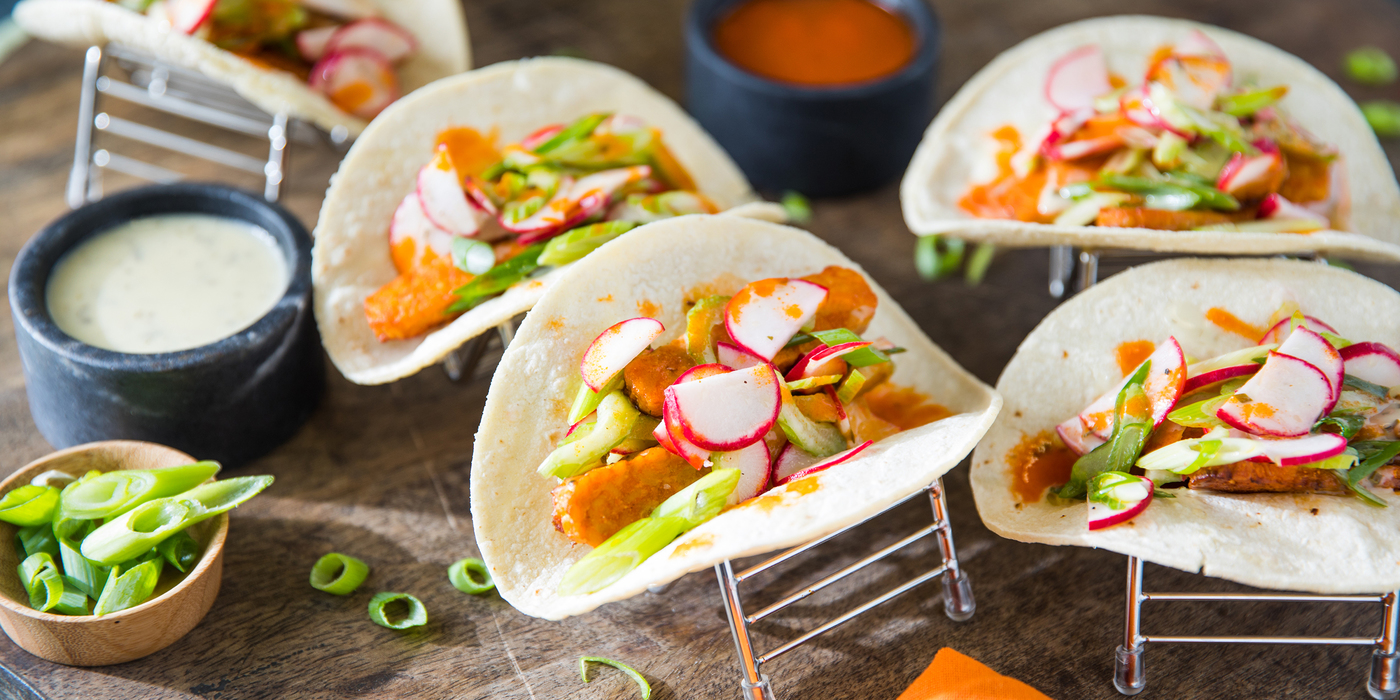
(1132, 353)
(470, 152)
(905, 407)
(1231, 323)
(815, 42)
(1039, 462)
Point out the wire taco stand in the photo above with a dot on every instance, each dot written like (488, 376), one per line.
(146, 81)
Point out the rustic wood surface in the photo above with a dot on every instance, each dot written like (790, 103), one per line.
(381, 472)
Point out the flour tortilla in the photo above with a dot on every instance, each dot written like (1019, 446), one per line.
(958, 152)
(1269, 540)
(438, 25)
(649, 272)
(351, 257)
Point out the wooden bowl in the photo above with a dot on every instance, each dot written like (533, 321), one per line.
(178, 604)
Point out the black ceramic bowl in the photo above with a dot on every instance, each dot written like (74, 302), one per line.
(820, 141)
(232, 400)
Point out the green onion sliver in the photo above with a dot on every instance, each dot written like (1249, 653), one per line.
(338, 574)
(110, 494)
(41, 580)
(36, 538)
(132, 533)
(631, 672)
(471, 576)
(620, 554)
(417, 615)
(181, 550)
(87, 577)
(128, 589)
(29, 505)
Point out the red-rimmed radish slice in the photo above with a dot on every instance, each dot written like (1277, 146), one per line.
(753, 464)
(586, 419)
(1065, 126)
(1313, 349)
(1252, 176)
(763, 316)
(358, 81)
(540, 136)
(1280, 331)
(725, 412)
(663, 438)
(1216, 376)
(1072, 433)
(477, 197)
(1163, 386)
(826, 464)
(1276, 206)
(1197, 43)
(790, 461)
(1285, 399)
(1373, 362)
(1134, 105)
(676, 440)
(387, 39)
(1287, 452)
(411, 223)
(1074, 150)
(444, 202)
(1077, 78)
(610, 352)
(576, 201)
(734, 356)
(186, 15)
(346, 9)
(702, 371)
(816, 362)
(1134, 493)
(311, 43)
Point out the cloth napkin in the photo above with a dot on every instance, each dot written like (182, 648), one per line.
(955, 676)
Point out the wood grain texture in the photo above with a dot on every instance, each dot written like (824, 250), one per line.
(381, 472)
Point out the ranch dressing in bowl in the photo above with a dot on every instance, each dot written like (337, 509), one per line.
(166, 283)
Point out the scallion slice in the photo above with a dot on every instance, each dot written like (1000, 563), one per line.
(42, 580)
(470, 575)
(88, 577)
(29, 505)
(110, 494)
(142, 528)
(180, 550)
(338, 574)
(631, 672)
(71, 602)
(36, 538)
(127, 589)
(416, 616)
(620, 554)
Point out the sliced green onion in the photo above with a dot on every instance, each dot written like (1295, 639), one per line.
(1347, 425)
(55, 478)
(1128, 431)
(475, 257)
(620, 554)
(979, 262)
(113, 493)
(700, 322)
(587, 400)
(153, 556)
(1360, 384)
(338, 574)
(1383, 116)
(496, 280)
(35, 539)
(932, 263)
(814, 382)
(863, 357)
(581, 128)
(416, 616)
(89, 577)
(471, 576)
(72, 602)
(631, 672)
(29, 505)
(850, 388)
(1370, 65)
(142, 528)
(127, 589)
(1200, 414)
(581, 241)
(1376, 455)
(616, 418)
(42, 580)
(704, 498)
(1246, 104)
(798, 209)
(181, 550)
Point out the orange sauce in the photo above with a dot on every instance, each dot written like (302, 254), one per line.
(905, 407)
(1309, 179)
(696, 542)
(1039, 462)
(815, 42)
(1232, 324)
(1132, 353)
(469, 152)
(351, 97)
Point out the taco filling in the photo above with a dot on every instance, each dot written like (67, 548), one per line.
(1187, 148)
(339, 47)
(762, 389)
(1302, 411)
(482, 220)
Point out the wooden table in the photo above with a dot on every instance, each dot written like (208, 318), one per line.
(381, 472)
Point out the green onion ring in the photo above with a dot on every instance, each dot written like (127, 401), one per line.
(417, 614)
(631, 672)
(338, 574)
(29, 505)
(471, 576)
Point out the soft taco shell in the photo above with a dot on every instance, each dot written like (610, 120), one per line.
(957, 150)
(438, 25)
(651, 271)
(351, 257)
(1319, 543)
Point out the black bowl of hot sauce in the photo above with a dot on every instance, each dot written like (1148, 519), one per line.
(824, 97)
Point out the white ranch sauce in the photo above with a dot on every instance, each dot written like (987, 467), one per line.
(166, 283)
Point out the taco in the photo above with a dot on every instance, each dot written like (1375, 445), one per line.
(463, 202)
(334, 63)
(1232, 417)
(688, 446)
(1154, 134)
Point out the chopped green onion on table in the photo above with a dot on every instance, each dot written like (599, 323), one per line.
(471, 576)
(338, 574)
(416, 615)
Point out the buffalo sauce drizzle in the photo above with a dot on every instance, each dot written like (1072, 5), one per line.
(1039, 462)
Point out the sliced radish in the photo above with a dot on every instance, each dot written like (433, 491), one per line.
(1252, 176)
(1287, 452)
(477, 196)
(1215, 376)
(675, 436)
(358, 81)
(765, 315)
(187, 15)
(1275, 206)
(1163, 386)
(790, 461)
(346, 9)
(1074, 150)
(1373, 362)
(446, 205)
(387, 39)
(575, 202)
(1072, 433)
(540, 136)
(1280, 331)
(1197, 43)
(590, 418)
(815, 363)
(825, 464)
(311, 43)
(410, 222)
(610, 352)
(1313, 349)
(1195, 81)
(702, 371)
(1077, 78)
(1065, 126)
(727, 411)
(753, 464)
(734, 356)
(663, 438)
(1285, 398)
(1117, 498)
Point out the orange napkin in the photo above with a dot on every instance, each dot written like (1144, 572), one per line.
(955, 676)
